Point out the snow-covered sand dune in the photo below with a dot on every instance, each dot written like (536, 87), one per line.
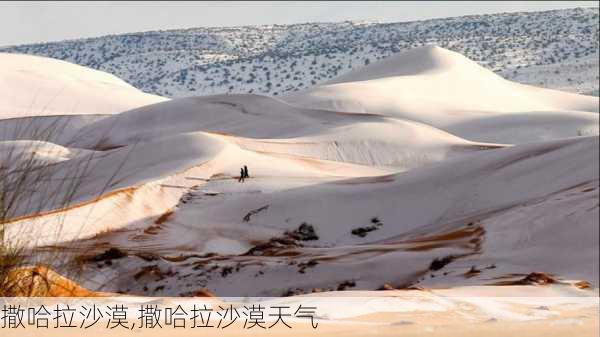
(239, 115)
(264, 124)
(58, 129)
(420, 170)
(444, 89)
(414, 207)
(156, 172)
(37, 86)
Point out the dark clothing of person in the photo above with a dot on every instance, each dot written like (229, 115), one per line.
(246, 172)
(242, 174)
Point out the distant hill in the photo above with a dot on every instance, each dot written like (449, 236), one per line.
(556, 49)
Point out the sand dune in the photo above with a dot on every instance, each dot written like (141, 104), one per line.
(444, 89)
(58, 129)
(38, 86)
(421, 170)
(480, 188)
(281, 128)
(398, 144)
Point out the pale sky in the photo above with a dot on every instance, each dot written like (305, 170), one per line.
(28, 22)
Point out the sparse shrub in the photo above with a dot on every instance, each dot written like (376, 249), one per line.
(305, 232)
(363, 231)
(30, 185)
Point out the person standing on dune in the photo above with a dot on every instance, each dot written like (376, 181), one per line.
(246, 172)
(242, 174)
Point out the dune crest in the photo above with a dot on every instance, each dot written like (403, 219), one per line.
(39, 86)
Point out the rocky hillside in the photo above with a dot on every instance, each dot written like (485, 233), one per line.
(556, 49)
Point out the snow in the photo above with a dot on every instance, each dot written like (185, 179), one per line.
(451, 160)
(450, 92)
(37, 86)
(555, 49)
